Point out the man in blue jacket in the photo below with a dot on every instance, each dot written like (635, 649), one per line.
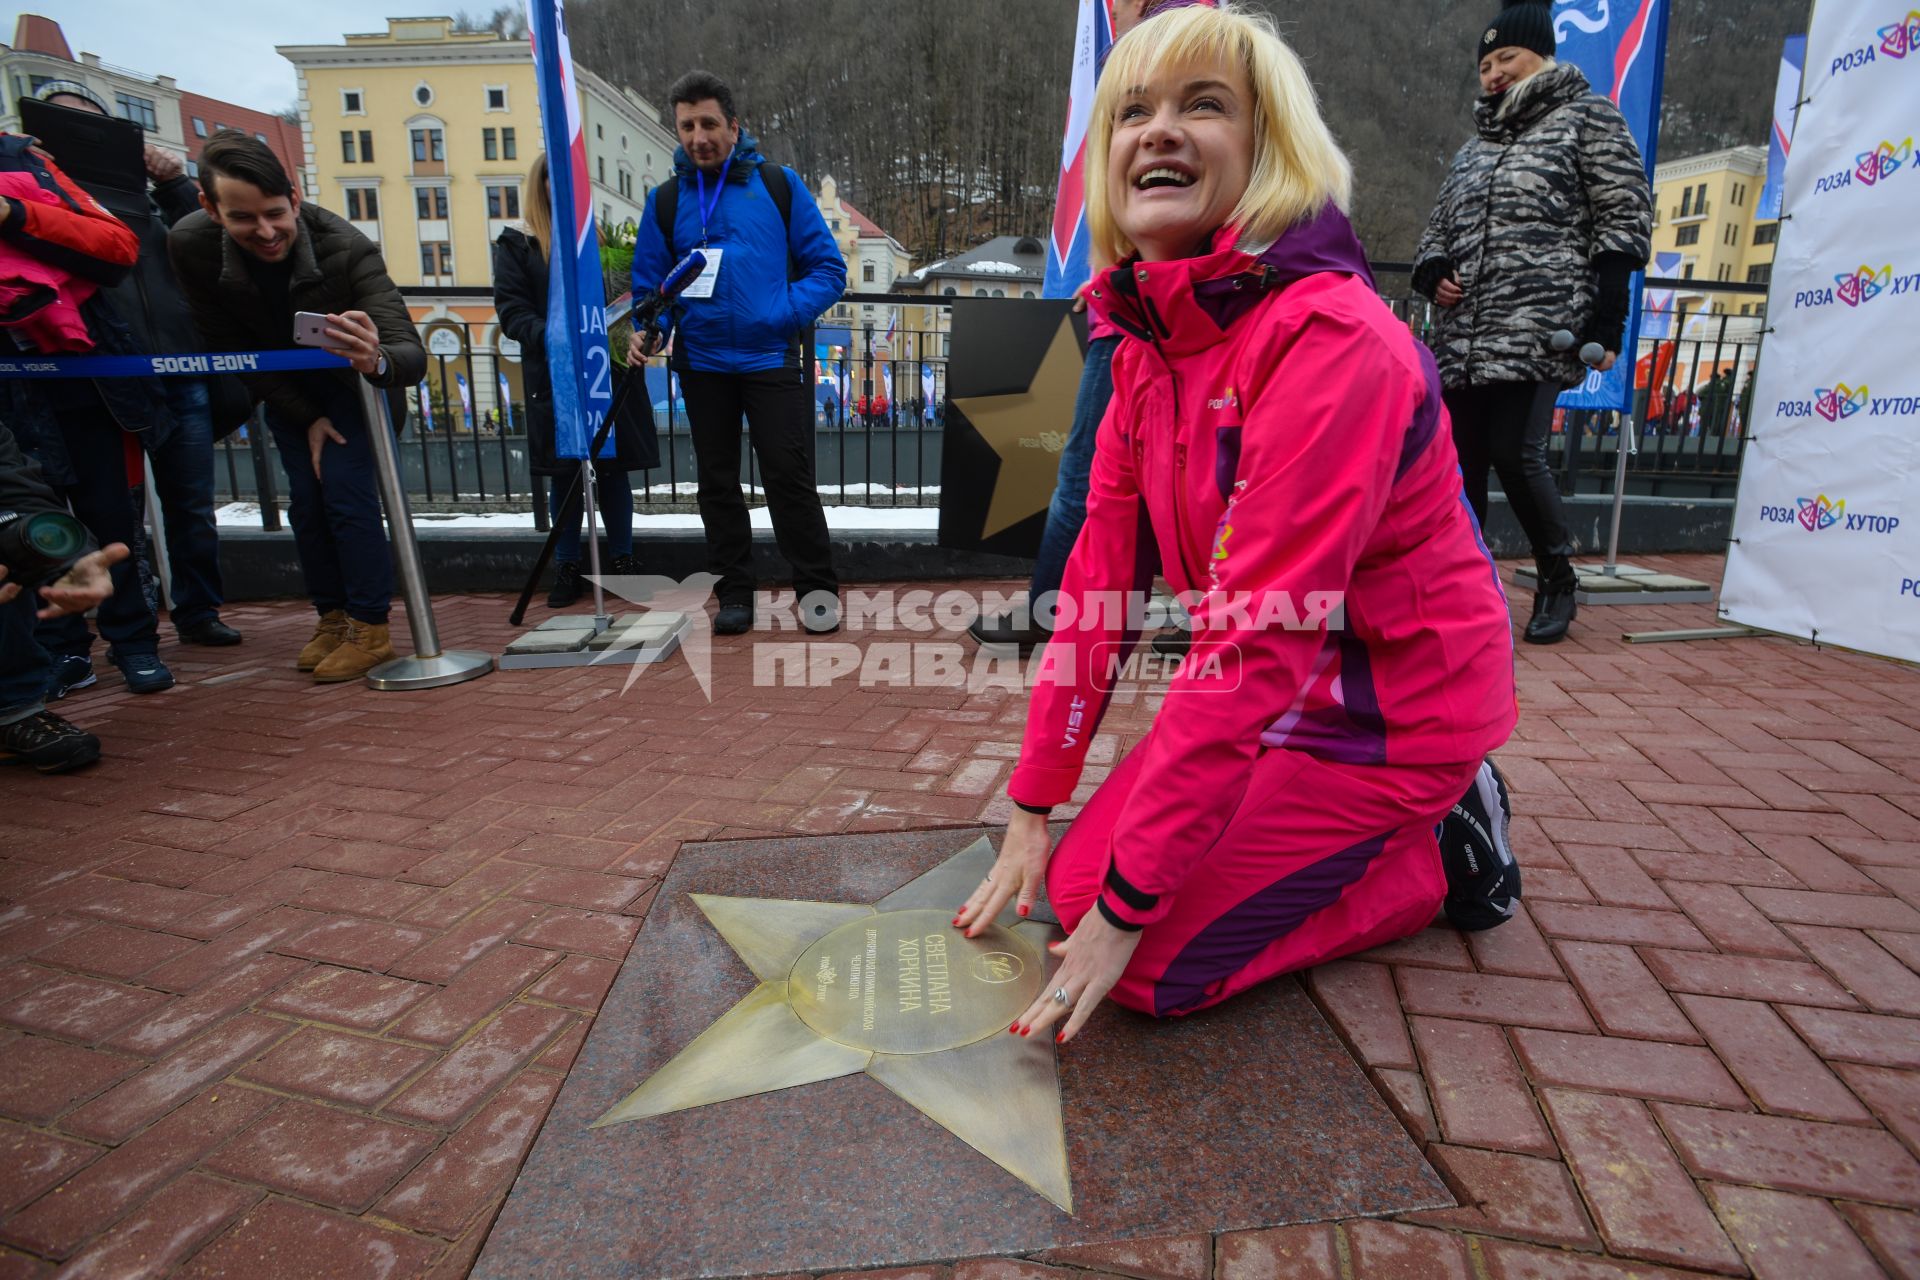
(772, 269)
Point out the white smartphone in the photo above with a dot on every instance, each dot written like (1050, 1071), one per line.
(310, 328)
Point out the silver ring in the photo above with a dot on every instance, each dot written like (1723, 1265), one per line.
(1061, 998)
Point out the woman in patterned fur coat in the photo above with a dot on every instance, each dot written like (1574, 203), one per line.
(1543, 218)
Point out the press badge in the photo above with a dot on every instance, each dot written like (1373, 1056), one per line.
(702, 286)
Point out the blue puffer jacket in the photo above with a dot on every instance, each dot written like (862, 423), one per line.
(756, 311)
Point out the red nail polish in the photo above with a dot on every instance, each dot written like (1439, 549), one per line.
(1024, 909)
(1026, 1031)
(1061, 1038)
(1014, 1030)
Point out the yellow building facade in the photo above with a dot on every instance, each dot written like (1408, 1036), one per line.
(421, 136)
(1705, 210)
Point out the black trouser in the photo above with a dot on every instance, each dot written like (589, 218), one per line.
(779, 414)
(101, 501)
(1505, 425)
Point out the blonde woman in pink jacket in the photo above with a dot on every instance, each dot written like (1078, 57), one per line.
(1278, 446)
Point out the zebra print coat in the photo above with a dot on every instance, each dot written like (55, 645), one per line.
(1534, 211)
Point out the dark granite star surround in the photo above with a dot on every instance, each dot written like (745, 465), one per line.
(1247, 1115)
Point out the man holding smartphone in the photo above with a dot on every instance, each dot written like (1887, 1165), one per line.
(262, 269)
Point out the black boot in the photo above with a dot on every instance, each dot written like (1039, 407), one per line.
(1554, 605)
(566, 584)
(627, 566)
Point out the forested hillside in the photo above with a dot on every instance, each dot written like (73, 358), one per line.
(941, 119)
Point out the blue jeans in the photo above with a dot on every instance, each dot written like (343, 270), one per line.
(1068, 510)
(336, 517)
(24, 665)
(183, 481)
(613, 512)
(102, 500)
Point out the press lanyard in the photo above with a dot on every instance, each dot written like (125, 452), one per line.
(707, 207)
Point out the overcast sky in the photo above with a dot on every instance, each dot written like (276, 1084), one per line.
(220, 48)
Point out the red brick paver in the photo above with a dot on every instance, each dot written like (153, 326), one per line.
(289, 982)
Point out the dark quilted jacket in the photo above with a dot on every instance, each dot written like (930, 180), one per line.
(335, 269)
(1528, 208)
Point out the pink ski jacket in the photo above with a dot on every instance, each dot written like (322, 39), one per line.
(1276, 443)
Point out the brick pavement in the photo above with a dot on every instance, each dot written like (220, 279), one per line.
(288, 983)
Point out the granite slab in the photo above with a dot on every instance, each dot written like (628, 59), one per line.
(1248, 1115)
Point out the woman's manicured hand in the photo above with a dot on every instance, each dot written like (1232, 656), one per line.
(1093, 960)
(1019, 872)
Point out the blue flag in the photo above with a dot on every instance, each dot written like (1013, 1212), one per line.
(1786, 98)
(1621, 45)
(577, 354)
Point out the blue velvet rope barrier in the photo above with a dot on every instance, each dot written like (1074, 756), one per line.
(187, 366)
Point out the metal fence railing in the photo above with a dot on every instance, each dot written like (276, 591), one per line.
(878, 368)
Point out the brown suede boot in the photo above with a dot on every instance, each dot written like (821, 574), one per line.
(328, 636)
(366, 647)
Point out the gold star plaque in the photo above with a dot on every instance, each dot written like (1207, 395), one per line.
(1028, 429)
(895, 991)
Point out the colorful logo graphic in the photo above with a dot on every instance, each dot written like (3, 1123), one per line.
(1862, 285)
(1840, 402)
(1820, 513)
(1903, 37)
(1883, 161)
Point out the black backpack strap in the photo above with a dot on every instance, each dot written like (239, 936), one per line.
(775, 178)
(666, 203)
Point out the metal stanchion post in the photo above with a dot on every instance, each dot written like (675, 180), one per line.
(428, 668)
(157, 535)
(1629, 443)
(589, 493)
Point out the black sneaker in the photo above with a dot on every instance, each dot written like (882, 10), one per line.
(70, 671)
(733, 620)
(566, 584)
(1005, 631)
(627, 566)
(47, 743)
(145, 672)
(1483, 880)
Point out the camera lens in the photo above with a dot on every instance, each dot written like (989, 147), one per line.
(58, 537)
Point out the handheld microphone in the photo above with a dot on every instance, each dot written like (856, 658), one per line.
(1591, 355)
(646, 314)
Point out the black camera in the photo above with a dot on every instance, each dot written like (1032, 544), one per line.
(38, 548)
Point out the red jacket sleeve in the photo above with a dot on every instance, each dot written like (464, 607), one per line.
(1113, 557)
(1320, 442)
(77, 235)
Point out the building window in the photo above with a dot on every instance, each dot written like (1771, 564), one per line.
(503, 202)
(1026, 293)
(217, 126)
(1686, 202)
(1686, 272)
(509, 150)
(428, 264)
(430, 203)
(428, 144)
(1724, 273)
(138, 110)
(606, 215)
(193, 168)
(352, 103)
(1766, 233)
(950, 292)
(489, 144)
(866, 273)
(601, 164)
(1687, 235)
(199, 127)
(496, 97)
(1762, 274)
(349, 154)
(1740, 193)
(366, 146)
(1732, 235)
(423, 94)
(363, 204)
(446, 259)
(260, 137)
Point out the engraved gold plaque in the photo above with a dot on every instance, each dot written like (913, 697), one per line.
(895, 991)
